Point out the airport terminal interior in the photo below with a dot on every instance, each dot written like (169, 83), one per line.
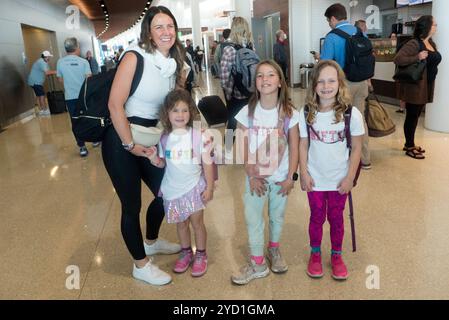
(60, 214)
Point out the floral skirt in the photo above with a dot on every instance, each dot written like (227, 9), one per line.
(180, 209)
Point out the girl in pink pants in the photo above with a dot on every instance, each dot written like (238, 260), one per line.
(327, 166)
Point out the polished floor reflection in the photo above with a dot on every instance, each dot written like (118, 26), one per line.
(59, 214)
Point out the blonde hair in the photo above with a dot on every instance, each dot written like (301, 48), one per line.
(285, 107)
(279, 33)
(240, 33)
(342, 100)
(170, 102)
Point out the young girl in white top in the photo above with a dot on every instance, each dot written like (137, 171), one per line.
(188, 182)
(269, 125)
(327, 167)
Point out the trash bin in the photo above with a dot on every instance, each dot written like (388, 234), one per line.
(305, 71)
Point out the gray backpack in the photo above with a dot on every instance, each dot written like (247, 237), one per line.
(244, 71)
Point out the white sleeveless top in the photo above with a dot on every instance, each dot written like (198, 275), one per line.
(158, 79)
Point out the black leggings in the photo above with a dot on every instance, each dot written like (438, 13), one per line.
(126, 172)
(413, 111)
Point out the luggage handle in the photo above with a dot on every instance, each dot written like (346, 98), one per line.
(52, 82)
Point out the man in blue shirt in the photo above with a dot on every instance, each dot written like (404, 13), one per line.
(334, 48)
(72, 70)
(36, 80)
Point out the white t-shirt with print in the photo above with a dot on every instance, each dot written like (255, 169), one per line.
(182, 172)
(264, 121)
(328, 162)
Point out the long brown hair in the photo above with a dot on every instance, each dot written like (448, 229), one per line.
(422, 29)
(177, 51)
(285, 107)
(170, 102)
(343, 98)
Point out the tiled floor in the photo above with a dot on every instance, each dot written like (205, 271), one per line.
(59, 210)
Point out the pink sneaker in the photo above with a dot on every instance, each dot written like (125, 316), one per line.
(315, 268)
(199, 265)
(184, 261)
(339, 271)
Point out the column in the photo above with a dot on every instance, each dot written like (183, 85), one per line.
(196, 23)
(243, 9)
(437, 113)
(300, 41)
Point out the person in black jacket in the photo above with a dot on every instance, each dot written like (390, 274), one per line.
(280, 51)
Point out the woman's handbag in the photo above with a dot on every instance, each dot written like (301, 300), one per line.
(411, 73)
(145, 136)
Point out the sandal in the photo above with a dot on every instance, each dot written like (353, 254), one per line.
(415, 154)
(419, 149)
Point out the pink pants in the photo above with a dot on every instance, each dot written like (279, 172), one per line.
(332, 204)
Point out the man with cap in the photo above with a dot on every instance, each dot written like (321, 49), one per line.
(36, 80)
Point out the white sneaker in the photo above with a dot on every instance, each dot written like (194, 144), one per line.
(45, 112)
(151, 274)
(96, 144)
(161, 246)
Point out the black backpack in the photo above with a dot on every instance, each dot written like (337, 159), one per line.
(360, 61)
(91, 117)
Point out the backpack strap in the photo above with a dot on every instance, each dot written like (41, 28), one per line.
(250, 122)
(306, 114)
(138, 72)
(196, 144)
(348, 114)
(286, 125)
(163, 143)
(340, 33)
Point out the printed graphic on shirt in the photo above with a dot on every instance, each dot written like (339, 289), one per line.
(178, 154)
(328, 136)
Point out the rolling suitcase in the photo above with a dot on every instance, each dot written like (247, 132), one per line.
(213, 110)
(56, 99)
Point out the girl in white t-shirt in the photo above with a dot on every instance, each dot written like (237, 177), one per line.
(188, 182)
(327, 168)
(269, 126)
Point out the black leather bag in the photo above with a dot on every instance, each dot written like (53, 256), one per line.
(411, 73)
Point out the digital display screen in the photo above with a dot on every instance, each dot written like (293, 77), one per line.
(415, 2)
(401, 3)
(404, 3)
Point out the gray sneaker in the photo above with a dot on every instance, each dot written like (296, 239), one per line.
(277, 263)
(249, 272)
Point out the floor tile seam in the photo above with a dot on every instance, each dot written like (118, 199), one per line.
(97, 245)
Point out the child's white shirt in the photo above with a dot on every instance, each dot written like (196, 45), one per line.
(264, 121)
(328, 163)
(182, 173)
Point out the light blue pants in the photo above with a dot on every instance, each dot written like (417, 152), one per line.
(255, 219)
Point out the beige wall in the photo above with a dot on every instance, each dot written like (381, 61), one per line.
(16, 98)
